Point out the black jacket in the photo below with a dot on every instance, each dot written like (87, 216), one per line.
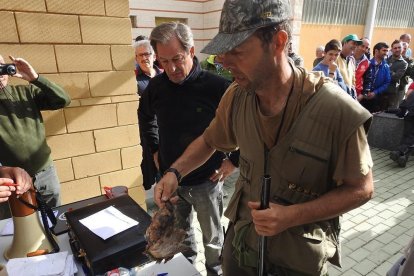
(407, 107)
(172, 115)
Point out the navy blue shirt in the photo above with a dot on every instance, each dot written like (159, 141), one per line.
(172, 115)
(143, 79)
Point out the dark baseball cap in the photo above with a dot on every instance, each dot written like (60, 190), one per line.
(241, 18)
(352, 37)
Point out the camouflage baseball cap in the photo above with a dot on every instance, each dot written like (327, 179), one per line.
(241, 18)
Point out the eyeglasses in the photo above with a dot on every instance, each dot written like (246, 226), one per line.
(177, 60)
(147, 54)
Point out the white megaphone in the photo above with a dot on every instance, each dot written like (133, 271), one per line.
(29, 237)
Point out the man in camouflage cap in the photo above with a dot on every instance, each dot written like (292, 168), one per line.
(295, 126)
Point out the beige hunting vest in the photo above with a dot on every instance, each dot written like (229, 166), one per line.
(301, 166)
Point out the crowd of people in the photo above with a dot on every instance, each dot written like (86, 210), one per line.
(379, 83)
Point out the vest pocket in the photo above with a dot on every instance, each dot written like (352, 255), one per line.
(246, 169)
(304, 249)
(305, 171)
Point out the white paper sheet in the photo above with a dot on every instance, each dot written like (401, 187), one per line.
(58, 264)
(108, 222)
(177, 266)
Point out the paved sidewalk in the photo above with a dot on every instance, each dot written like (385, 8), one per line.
(373, 235)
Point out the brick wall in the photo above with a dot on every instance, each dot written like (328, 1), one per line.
(84, 45)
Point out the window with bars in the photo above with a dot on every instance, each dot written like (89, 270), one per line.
(335, 12)
(394, 14)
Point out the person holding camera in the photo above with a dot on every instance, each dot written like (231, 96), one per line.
(22, 133)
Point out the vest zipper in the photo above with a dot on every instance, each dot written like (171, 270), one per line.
(292, 149)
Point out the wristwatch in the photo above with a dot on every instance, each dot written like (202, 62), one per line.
(177, 174)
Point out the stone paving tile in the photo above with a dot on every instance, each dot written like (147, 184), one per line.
(373, 235)
(373, 245)
(360, 254)
(393, 248)
(365, 266)
(383, 268)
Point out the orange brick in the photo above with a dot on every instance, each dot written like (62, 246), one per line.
(138, 194)
(76, 84)
(117, 137)
(124, 98)
(68, 145)
(74, 103)
(96, 7)
(81, 58)
(54, 122)
(97, 163)
(48, 28)
(80, 189)
(117, 8)
(128, 178)
(8, 27)
(41, 57)
(123, 57)
(64, 169)
(127, 113)
(105, 30)
(131, 157)
(95, 101)
(23, 5)
(112, 83)
(90, 117)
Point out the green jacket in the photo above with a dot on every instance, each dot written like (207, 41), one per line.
(209, 65)
(22, 133)
(301, 166)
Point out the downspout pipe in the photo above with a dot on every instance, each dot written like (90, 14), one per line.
(370, 19)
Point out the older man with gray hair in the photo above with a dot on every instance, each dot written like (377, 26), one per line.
(320, 53)
(176, 108)
(145, 69)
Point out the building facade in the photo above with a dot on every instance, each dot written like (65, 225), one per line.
(314, 22)
(202, 16)
(85, 46)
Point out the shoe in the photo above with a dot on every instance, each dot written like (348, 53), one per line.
(394, 155)
(402, 161)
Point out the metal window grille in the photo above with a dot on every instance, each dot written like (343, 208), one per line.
(335, 12)
(396, 13)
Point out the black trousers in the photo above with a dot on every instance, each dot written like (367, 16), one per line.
(408, 134)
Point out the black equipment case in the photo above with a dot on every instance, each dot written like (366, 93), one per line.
(122, 250)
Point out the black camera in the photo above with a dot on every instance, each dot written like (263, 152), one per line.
(8, 69)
